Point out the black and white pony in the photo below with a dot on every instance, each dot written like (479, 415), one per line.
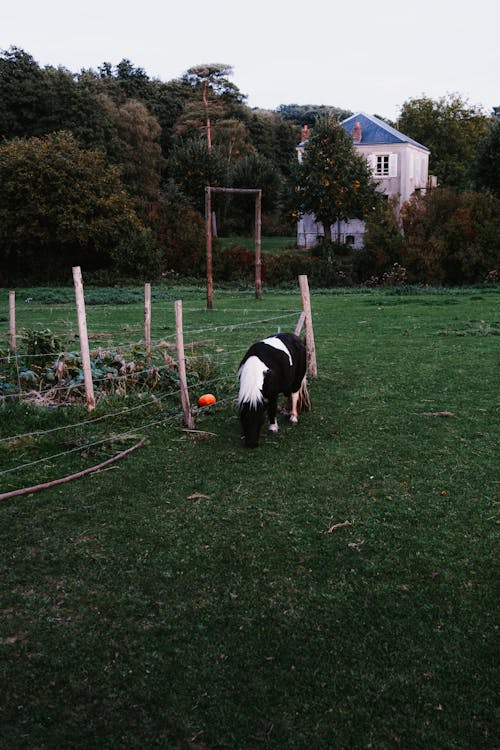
(270, 367)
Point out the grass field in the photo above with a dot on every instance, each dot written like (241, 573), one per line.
(269, 244)
(333, 589)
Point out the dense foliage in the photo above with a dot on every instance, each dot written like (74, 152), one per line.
(107, 168)
(62, 205)
(451, 128)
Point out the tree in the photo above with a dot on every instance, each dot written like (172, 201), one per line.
(485, 169)
(334, 181)
(255, 172)
(21, 94)
(215, 89)
(181, 234)
(61, 205)
(164, 101)
(192, 167)
(37, 101)
(274, 137)
(451, 128)
(139, 152)
(309, 114)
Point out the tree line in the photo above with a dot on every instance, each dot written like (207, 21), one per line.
(107, 168)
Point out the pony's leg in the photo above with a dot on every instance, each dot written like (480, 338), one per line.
(294, 413)
(272, 408)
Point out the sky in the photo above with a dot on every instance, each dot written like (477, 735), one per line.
(362, 55)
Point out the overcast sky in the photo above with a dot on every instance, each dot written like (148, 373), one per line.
(361, 55)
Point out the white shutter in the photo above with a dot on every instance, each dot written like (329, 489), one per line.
(393, 165)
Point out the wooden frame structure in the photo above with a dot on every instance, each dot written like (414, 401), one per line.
(258, 246)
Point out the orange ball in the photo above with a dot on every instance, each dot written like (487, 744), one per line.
(206, 399)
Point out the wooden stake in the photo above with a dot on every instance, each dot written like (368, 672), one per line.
(300, 323)
(12, 322)
(84, 340)
(208, 226)
(179, 337)
(147, 319)
(312, 368)
(258, 246)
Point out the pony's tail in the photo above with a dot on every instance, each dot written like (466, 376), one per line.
(304, 403)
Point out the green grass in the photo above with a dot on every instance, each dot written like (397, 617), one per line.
(269, 244)
(195, 595)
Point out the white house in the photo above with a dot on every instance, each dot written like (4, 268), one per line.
(399, 165)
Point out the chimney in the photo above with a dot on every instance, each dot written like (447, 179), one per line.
(305, 133)
(356, 132)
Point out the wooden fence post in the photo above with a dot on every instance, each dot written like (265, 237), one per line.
(12, 322)
(208, 229)
(84, 340)
(312, 368)
(179, 337)
(258, 245)
(147, 319)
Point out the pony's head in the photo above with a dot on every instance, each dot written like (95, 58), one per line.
(252, 418)
(250, 399)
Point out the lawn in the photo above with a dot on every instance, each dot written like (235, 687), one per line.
(269, 244)
(334, 588)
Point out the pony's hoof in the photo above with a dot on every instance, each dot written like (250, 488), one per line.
(273, 427)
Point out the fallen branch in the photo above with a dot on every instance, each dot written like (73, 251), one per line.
(438, 414)
(70, 477)
(338, 526)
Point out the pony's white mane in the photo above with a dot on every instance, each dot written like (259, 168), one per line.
(251, 375)
(278, 344)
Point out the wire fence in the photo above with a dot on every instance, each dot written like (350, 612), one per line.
(218, 346)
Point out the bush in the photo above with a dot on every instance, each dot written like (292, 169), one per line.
(238, 264)
(451, 237)
(233, 264)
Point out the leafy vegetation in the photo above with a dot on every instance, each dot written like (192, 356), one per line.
(107, 168)
(60, 206)
(452, 129)
(335, 588)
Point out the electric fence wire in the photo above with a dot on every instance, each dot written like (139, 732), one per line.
(126, 345)
(166, 420)
(111, 415)
(170, 419)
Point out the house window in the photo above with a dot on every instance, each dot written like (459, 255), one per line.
(382, 166)
(350, 239)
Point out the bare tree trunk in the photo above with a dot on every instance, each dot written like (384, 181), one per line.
(205, 102)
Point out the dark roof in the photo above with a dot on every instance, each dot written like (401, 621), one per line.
(374, 130)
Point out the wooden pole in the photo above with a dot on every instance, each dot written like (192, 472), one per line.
(179, 337)
(147, 319)
(12, 322)
(208, 225)
(300, 323)
(258, 246)
(312, 368)
(84, 340)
